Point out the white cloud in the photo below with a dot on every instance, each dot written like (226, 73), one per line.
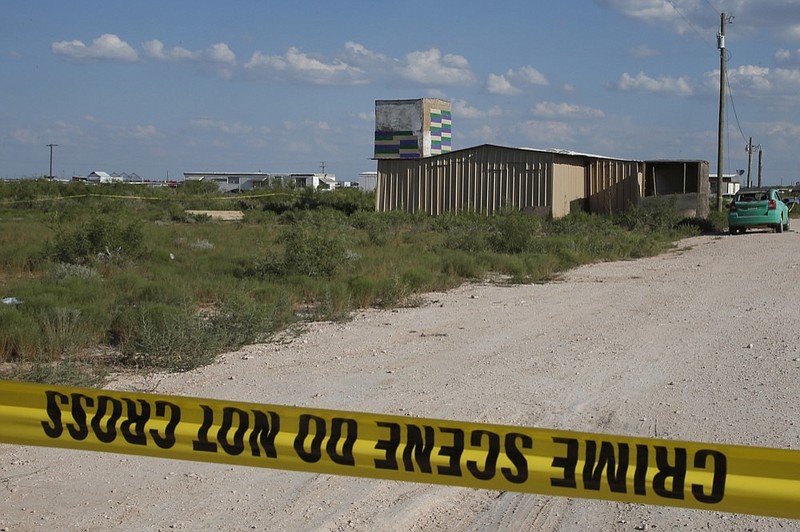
(462, 109)
(219, 57)
(565, 110)
(529, 75)
(295, 65)
(499, 84)
(643, 51)
(641, 82)
(107, 46)
(750, 76)
(784, 129)
(220, 53)
(259, 61)
(25, 136)
(792, 33)
(662, 13)
(236, 128)
(357, 64)
(787, 57)
(756, 81)
(511, 82)
(357, 54)
(431, 67)
(146, 132)
(155, 50)
(307, 125)
(546, 132)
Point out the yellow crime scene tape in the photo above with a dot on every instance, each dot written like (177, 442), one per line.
(727, 478)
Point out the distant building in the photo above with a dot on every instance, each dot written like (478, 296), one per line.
(412, 129)
(100, 177)
(730, 184)
(235, 182)
(367, 181)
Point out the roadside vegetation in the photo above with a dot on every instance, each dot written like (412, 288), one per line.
(102, 279)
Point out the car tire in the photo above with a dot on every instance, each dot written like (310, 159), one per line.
(779, 227)
(786, 225)
(733, 230)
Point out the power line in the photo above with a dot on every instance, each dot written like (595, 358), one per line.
(694, 28)
(733, 106)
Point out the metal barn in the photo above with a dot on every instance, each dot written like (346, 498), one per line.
(487, 178)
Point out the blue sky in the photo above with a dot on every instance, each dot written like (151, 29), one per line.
(160, 88)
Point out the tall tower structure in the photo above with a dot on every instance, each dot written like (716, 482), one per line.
(411, 129)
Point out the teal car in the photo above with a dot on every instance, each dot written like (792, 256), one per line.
(757, 207)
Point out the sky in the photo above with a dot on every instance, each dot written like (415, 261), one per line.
(160, 88)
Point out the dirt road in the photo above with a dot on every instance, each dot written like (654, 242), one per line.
(698, 344)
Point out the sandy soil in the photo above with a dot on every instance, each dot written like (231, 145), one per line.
(226, 216)
(697, 344)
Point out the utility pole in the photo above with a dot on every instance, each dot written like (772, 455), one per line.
(322, 165)
(51, 146)
(749, 160)
(759, 165)
(750, 149)
(721, 131)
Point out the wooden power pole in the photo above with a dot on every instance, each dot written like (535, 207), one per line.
(51, 146)
(749, 161)
(760, 151)
(721, 131)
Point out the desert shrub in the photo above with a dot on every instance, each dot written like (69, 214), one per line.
(194, 188)
(374, 225)
(514, 232)
(462, 265)
(393, 292)
(161, 336)
(345, 200)
(307, 251)
(20, 334)
(63, 271)
(237, 320)
(334, 303)
(63, 333)
(67, 372)
(657, 215)
(98, 239)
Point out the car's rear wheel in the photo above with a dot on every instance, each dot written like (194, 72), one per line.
(786, 225)
(779, 227)
(732, 230)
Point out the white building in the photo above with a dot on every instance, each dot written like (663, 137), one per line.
(234, 182)
(730, 184)
(367, 181)
(103, 177)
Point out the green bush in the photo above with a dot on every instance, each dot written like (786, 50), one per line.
(19, 338)
(514, 232)
(63, 333)
(97, 240)
(161, 336)
(657, 215)
(307, 251)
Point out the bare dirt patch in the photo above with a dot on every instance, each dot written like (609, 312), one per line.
(697, 344)
(226, 216)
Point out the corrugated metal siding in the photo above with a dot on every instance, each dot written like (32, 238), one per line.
(486, 178)
(614, 185)
(482, 180)
(569, 184)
